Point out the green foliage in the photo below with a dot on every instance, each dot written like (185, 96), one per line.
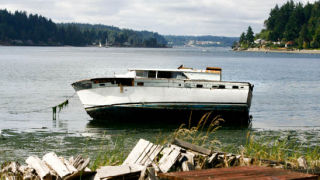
(247, 39)
(294, 22)
(111, 156)
(243, 38)
(21, 29)
(280, 149)
(250, 36)
(200, 134)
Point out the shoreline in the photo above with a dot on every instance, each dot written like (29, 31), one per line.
(303, 51)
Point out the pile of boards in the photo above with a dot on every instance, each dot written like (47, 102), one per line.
(49, 167)
(144, 162)
(147, 160)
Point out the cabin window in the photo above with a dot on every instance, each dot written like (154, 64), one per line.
(222, 87)
(141, 73)
(101, 84)
(152, 74)
(235, 87)
(164, 74)
(140, 83)
(179, 84)
(241, 87)
(214, 86)
(199, 86)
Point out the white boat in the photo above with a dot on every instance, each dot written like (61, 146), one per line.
(165, 94)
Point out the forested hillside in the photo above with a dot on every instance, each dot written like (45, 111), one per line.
(19, 28)
(294, 22)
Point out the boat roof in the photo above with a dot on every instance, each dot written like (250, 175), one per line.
(180, 69)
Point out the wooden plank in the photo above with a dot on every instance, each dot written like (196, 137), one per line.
(145, 159)
(53, 161)
(168, 160)
(80, 175)
(192, 147)
(40, 167)
(152, 155)
(136, 152)
(144, 153)
(117, 171)
(70, 167)
(241, 173)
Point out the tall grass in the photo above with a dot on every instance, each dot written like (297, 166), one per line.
(201, 134)
(281, 150)
(110, 154)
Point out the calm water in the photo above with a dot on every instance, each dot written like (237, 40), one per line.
(286, 98)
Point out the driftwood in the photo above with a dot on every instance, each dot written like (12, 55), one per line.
(51, 167)
(79, 162)
(55, 163)
(41, 168)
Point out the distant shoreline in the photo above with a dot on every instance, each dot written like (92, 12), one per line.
(296, 51)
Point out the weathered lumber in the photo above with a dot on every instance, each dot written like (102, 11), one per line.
(251, 172)
(168, 159)
(41, 168)
(79, 162)
(70, 167)
(191, 147)
(53, 161)
(143, 153)
(80, 175)
(150, 156)
(135, 154)
(108, 172)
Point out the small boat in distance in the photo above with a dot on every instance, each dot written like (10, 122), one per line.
(165, 95)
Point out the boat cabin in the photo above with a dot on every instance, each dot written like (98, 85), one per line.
(211, 73)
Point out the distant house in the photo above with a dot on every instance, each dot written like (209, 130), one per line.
(260, 41)
(289, 43)
(257, 41)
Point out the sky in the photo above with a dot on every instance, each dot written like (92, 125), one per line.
(167, 17)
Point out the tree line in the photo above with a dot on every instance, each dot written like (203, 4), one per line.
(19, 28)
(292, 22)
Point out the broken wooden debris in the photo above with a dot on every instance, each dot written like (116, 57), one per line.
(50, 167)
(40, 167)
(53, 161)
(144, 162)
(168, 159)
(143, 153)
(191, 147)
(124, 171)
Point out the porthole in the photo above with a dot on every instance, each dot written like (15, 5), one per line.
(222, 87)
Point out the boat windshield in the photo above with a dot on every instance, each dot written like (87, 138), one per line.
(160, 74)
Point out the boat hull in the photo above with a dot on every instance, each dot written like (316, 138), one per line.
(172, 113)
(167, 102)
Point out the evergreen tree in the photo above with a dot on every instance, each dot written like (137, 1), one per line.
(243, 38)
(250, 36)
